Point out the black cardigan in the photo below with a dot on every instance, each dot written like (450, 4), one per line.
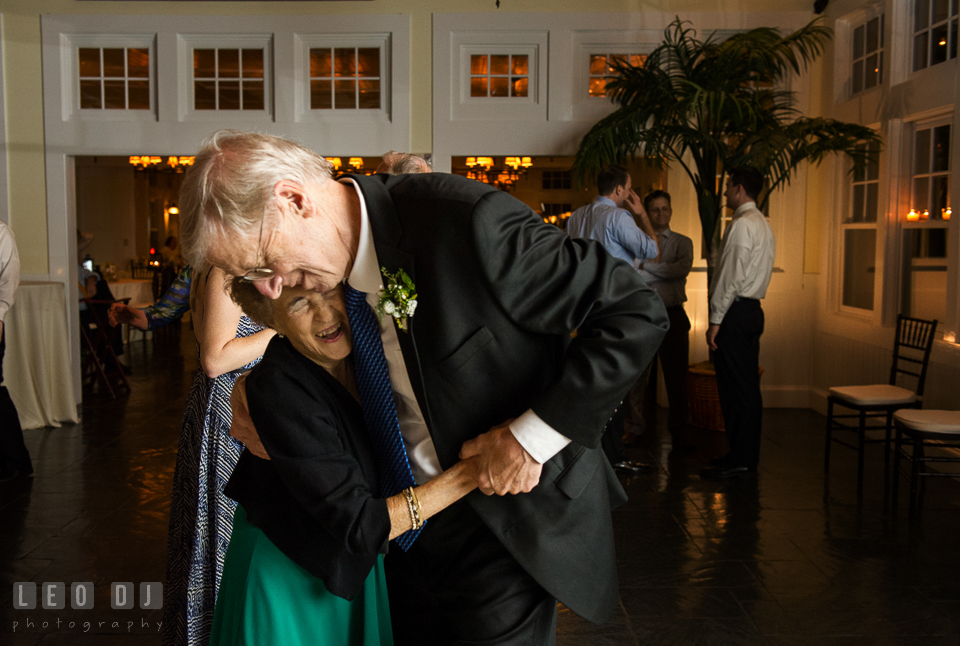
(313, 498)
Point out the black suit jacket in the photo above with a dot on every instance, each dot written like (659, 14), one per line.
(499, 293)
(313, 497)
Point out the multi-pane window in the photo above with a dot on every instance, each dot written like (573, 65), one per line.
(868, 55)
(924, 282)
(934, 32)
(345, 78)
(931, 174)
(860, 234)
(114, 78)
(228, 79)
(866, 187)
(602, 69)
(502, 75)
(556, 179)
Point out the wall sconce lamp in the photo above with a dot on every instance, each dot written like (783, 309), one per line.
(356, 162)
(471, 162)
(335, 162)
(173, 210)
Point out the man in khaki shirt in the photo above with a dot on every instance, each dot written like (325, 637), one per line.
(736, 322)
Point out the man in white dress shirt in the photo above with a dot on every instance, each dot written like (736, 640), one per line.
(14, 457)
(740, 280)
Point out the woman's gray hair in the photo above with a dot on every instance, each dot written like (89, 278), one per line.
(230, 185)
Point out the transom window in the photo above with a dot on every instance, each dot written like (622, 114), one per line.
(345, 78)
(602, 70)
(556, 179)
(114, 78)
(228, 79)
(501, 75)
(934, 32)
(868, 55)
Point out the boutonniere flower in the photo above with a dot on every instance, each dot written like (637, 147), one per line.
(398, 299)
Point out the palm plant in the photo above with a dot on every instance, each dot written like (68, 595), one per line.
(710, 105)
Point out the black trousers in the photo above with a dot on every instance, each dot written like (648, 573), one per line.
(674, 355)
(737, 362)
(13, 452)
(458, 585)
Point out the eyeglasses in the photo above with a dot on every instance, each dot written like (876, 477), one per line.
(259, 272)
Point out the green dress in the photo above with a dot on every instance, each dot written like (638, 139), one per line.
(266, 598)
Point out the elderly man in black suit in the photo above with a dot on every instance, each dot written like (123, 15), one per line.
(484, 366)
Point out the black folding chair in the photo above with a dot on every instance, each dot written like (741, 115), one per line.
(911, 354)
(100, 362)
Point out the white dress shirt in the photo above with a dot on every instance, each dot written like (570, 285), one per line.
(746, 261)
(539, 439)
(9, 269)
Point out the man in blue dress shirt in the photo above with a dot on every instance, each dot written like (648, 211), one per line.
(606, 221)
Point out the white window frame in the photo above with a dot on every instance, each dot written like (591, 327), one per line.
(186, 43)
(844, 226)
(880, 51)
(913, 33)
(496, 108)
(70, 44)
(904, 226)
(305, 42)
(613, 41)
(586, 86)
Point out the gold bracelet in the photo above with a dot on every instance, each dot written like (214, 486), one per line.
(413, 506)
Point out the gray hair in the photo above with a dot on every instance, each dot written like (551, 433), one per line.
(230, 185)
(395, 163)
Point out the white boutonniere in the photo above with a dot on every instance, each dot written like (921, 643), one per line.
(398, 299)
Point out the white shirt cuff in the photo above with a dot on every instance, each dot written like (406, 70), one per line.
(539, 439)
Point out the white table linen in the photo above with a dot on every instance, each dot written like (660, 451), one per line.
(140, 292)
(37, 363)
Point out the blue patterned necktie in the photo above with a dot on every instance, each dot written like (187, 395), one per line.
(376, 399)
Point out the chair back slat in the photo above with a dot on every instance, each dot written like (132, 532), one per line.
(914, 338)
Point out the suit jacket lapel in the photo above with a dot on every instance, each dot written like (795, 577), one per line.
(387, 231)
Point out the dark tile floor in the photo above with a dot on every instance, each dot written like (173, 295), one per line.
(784, 559)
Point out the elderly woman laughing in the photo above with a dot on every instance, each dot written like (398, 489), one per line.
(305, 564)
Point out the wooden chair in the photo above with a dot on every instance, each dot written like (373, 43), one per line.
(911, 354)
(100, 362)
(924, 430)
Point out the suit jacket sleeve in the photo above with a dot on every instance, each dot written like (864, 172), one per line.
(552, 284)
(299, 430)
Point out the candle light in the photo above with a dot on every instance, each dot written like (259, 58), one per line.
(925, 215)
(946, 213)
(913, 216)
